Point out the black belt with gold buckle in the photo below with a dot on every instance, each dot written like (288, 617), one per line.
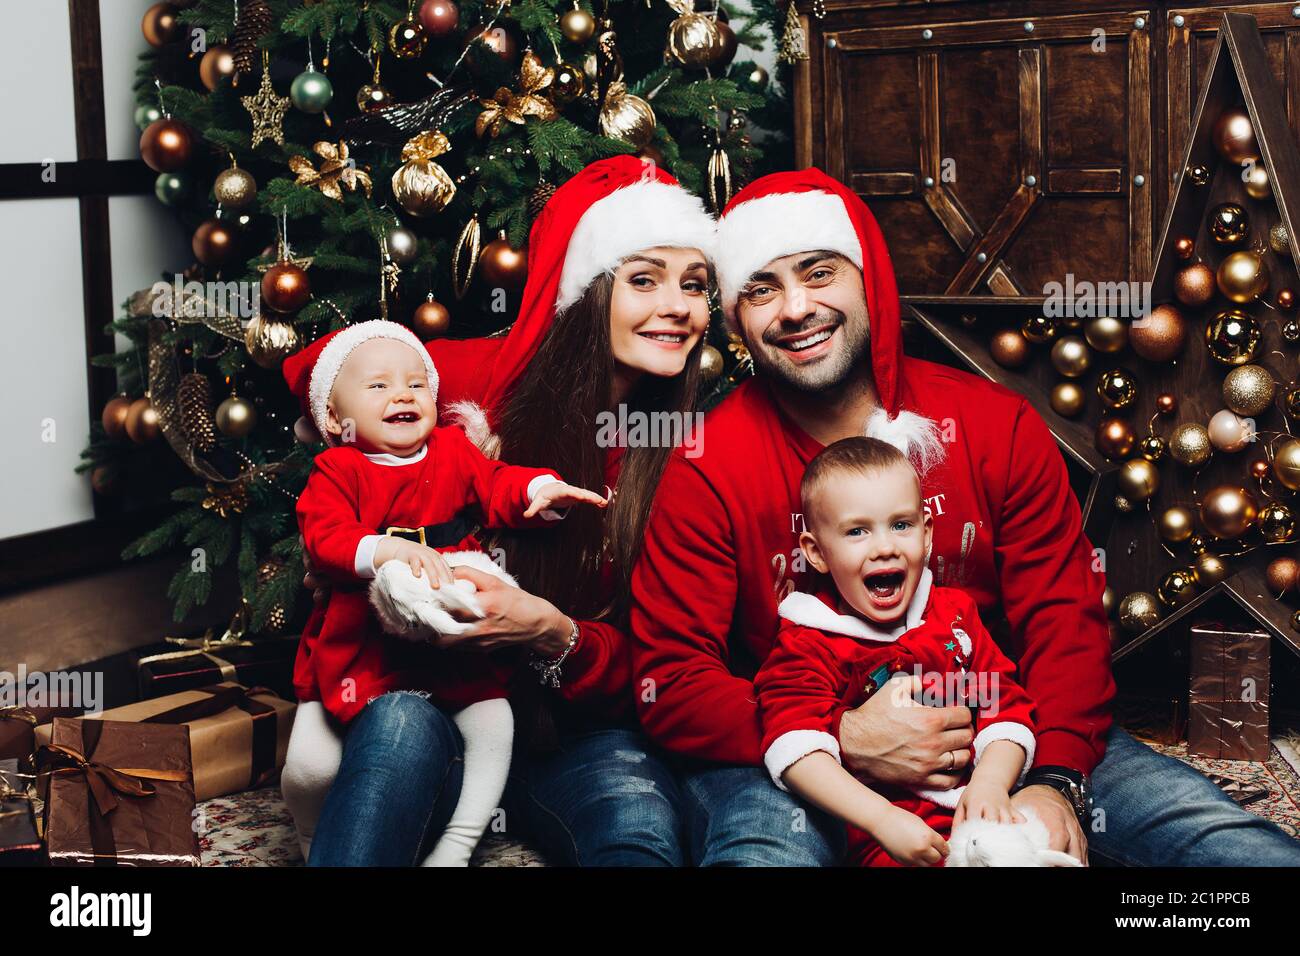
(442, 535)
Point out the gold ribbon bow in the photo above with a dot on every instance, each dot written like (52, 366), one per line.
(336, 170)
(106, 782)
(205, 645)
(18, 713)
(507, 106)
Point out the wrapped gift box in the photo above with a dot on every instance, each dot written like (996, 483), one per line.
(184, 664)
(1154, 717)
(18, 728)
(118, 794)
(1228, 693)
(238, 738)
(20, 840)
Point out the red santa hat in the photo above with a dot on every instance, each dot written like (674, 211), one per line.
(311, 371)
(603, 214)
(802, 211)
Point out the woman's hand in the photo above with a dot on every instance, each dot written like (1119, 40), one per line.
(511, 617)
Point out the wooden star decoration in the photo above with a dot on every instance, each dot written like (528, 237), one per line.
(337, 172)
(1136, 557)
(268, 110)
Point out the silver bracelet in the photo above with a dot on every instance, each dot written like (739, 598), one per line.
(548, 671)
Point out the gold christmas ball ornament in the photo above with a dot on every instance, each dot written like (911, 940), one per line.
(166, 145)
(1038, 329)
(577, 25)
(235, 188)
(1228, 432)
(1070, 355)
(270, 341)
(1198, 174)
(214, 243)
(1228, 224)
(1138, 479)
(1256, 178)
(285, 287)
(1177, 587)
(160, 25)
(1189, 445)
(1210, 569)
(1184, 247)
(1068, 399)
(420, 185)
(711, 364)
(1243, 277)
(236, 417)
(1196, 545)
(1108, 600)
(1285, 300)
(407, 39)
(1138, 612)
(1286, 464)
(694, 40)
(1123, 505)
(217, 64)
(502, 266)
(372, 97)
(1282, 574)
(1115, 438)
(1228, 511)
(1194, 285)
(1152, 448)
(627, 117)
(1232, 337)
(1278, 240)
(1106, 334)
(431, 319)
(1295, 621)
(1166, 404)
(1234, 137)
(1160, 336)
(568, 85)
(1176, 524)
(1248, 389)
(1117, 388)
(1260, 469)
(1288, 399)
(1276, 522)
(113, 418)
(142, 424)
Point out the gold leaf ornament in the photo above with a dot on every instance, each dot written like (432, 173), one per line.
(506, 106)
(337, 172)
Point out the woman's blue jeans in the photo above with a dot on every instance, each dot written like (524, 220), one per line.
(396, 789)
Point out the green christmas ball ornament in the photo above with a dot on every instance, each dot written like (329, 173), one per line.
(144, 115)
(311, 92)
(171, 188)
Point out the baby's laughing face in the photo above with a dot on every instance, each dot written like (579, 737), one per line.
(381, 401)
(872, 534)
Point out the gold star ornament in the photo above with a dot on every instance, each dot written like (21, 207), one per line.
(268, 109)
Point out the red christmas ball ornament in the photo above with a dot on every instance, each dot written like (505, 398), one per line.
(166, 145)
(1184, 247)
(439, 17)
(1285, 299)
(1166, 404)
(502, 266)
(1260, 469)
(217, 64)
(160, 25)
(114, 416)
(285, 287)
(495, 41)
(214, 243)
(431, 319)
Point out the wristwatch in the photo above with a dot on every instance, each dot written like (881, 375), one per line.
(1071, 784)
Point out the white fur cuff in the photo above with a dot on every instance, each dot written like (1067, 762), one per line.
(794, 745)
(1007, 730)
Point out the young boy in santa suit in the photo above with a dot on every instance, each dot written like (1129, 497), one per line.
(867, 528)
(371, 391)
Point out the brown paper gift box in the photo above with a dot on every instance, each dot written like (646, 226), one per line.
(238, 738)
(118, 794)
(1228, 694)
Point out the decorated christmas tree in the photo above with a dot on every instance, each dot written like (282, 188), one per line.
(334, 161)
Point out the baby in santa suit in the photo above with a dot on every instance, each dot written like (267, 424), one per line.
(371, 390)
(885, 628)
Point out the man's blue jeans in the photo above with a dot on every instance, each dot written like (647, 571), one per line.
(1153, 810)
(396, 789)
(611, 798)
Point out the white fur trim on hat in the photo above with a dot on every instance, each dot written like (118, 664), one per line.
(332, 356)
(639, 216)
(914, 435)
(781, 224)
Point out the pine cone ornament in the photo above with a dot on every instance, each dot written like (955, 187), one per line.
(254, 22)
(278, 616)
(194, 399)
(539, 197)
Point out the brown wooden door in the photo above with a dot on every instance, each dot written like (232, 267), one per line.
(999, 155)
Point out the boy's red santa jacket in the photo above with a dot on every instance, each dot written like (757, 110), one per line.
(597, 676)
(344, 658)
(825, 663)
(722, 550)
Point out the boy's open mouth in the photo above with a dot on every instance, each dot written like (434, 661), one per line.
(885, 587)
(402, 418)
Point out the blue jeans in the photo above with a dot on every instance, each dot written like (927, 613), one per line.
(605, 798)
(396, 788)
(1157, 811)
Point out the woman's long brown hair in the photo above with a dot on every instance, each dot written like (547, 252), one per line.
(549, 421)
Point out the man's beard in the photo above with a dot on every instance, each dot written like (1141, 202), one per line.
(832, 370)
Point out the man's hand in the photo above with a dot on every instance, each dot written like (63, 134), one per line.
(557, 494)
(893, 739)
(1063, 830)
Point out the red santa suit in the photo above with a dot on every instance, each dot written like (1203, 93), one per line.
(722, 550)
(351, 499)
(825, 662)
